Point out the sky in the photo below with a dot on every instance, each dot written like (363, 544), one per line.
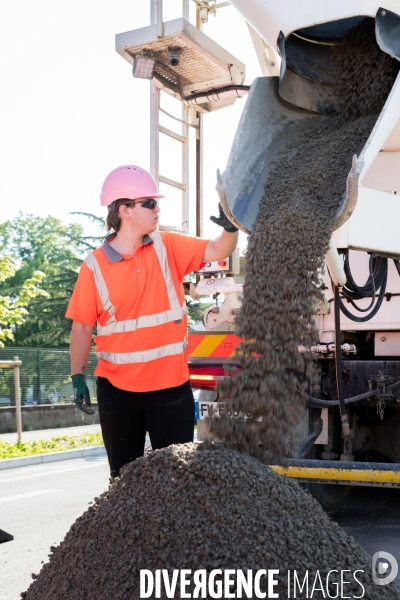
(70, 110)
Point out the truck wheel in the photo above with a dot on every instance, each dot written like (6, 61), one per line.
(331, 497)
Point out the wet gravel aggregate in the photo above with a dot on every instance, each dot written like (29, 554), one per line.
(184, 507)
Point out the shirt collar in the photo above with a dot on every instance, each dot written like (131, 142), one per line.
(113, 255)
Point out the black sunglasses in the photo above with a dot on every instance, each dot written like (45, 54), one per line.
(148, 203)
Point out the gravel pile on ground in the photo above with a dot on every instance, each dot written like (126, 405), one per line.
(185, 508)
(286, 250)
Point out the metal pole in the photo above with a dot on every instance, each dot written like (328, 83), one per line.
(347, 455)
(154, 133)
(185, 148)
(153, 12)
(17, 401)
(199, 22)
(199, 176)
(185, 171)
(155, 18)
(159, 18)
(199, 155)
(39, 378)
(185, 9)
(156, 15)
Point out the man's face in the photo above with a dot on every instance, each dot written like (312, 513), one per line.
(141, 219)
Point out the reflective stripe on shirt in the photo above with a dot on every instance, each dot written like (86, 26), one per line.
(148, 321)
(123, 358)
(174, 314)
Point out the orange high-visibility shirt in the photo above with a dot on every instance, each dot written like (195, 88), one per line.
(137, 287)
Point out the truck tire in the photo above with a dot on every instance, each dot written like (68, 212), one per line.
(331, 497)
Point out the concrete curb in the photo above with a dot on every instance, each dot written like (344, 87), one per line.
(38, 459)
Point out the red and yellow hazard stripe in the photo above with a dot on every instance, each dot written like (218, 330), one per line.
(215, 345)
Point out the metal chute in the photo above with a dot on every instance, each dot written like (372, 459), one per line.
(303, 97)
(267, 126)
(322, 21)
(387, 27)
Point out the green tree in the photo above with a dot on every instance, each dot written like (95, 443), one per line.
(56, 249)
(13, 310)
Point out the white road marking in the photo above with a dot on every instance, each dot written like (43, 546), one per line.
(53, 466)
(54, 472)
(27, 495)
(39, 468)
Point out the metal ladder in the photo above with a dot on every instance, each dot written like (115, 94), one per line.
(190, 118)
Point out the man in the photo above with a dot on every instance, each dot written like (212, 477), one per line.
(132, 288)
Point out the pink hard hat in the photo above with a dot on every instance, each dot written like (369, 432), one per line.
(128, 181)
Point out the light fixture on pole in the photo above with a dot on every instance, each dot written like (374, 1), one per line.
(143, 67)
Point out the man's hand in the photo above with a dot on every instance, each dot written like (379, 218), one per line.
(81, 394)
(223, 221)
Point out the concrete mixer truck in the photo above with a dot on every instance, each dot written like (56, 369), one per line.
(349, 433)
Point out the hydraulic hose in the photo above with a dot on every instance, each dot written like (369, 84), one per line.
(377, 280)
(365, 290)
(321, 403)
(215, 92)
(338, 357)
(376, 268)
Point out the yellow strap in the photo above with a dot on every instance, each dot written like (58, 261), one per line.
(360, 475)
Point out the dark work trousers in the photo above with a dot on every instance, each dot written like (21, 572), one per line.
(168, 416)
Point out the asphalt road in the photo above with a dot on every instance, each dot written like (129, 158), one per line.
(372, 517)
(38, 504)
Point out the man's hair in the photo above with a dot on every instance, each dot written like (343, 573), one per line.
(113, 220)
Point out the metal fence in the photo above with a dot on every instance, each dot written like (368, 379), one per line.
(45, 376)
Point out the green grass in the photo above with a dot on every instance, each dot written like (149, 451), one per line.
(56, 444)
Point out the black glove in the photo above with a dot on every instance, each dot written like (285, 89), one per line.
(223, 221)
(81, 394)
